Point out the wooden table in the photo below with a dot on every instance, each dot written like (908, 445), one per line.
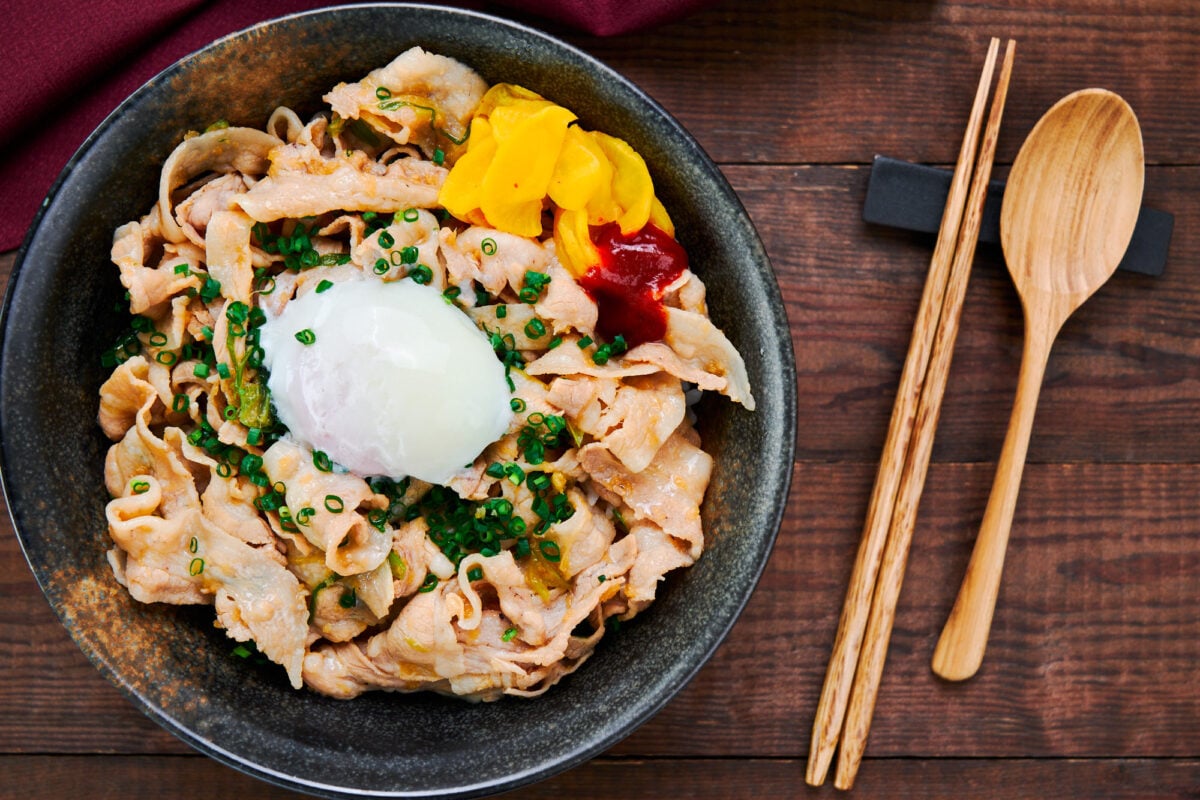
(1089, 685)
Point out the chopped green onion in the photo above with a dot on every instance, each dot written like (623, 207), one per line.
(179, 403)
(158, 339)
(193, 544)
(140, 487)
(534, 283)
(535, 328)
(550, 550)
(509, 635)
(201, 370)
(304, 515)
(517, 404)
(536, 280)
(514, 474)
(196, 566)
(306, 336)
(254, 436)
(495, 470)
(237, 311)
(408, 255)
(411, 215)
(210, 289)
(286, 522)
(396, 562)
(322, 461)
(323, 285)
(381, 266)
(166, 357)
(421, 274)
(475, 574)
(439, 156)
(555, 342)
(349, 599)
(501, 311)
(378, 519)
(584, 342)
(334, 504)
(386, 240)
(429, 584)
(538, 481)
(488, 247)
(182, 269)
(269, 502)
(223, 370)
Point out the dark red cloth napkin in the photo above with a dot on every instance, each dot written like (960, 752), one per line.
(65, 65)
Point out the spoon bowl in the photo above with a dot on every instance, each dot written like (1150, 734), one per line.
(1073, 197)
(1068, 214)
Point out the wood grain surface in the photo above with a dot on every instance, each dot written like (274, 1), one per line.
(1089, 684)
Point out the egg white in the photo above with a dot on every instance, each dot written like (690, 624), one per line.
(397, 381)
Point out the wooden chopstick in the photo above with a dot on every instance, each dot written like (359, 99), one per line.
(852, 626)
(895, 554)
(831, 709)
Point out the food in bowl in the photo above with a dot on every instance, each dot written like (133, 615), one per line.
(407, 390)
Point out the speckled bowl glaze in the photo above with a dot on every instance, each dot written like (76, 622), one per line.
(171, 662)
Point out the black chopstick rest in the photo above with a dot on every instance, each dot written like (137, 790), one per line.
(912, 197)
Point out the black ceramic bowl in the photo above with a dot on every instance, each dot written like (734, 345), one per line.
(170, 661)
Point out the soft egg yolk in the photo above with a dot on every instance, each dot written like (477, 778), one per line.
(395, 381)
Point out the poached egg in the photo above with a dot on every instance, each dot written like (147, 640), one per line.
(394, 381)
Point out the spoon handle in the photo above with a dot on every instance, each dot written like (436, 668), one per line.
(960, 648)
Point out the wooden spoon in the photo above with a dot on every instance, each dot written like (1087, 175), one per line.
(1069, 211)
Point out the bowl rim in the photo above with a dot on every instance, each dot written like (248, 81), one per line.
(781, 476)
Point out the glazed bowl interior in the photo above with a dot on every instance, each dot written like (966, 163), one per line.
(59, 317)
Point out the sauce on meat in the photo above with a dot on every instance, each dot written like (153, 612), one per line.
(629, 281)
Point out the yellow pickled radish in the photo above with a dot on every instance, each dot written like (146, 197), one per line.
(660, 219)
(632, 188)
(460, 193)
(518, 178)
(573, 242)
(506, 119)
(581, 173)
(602, 208)
(504, 94)
(521, 218)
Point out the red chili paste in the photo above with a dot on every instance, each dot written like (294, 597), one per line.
(628, 283)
